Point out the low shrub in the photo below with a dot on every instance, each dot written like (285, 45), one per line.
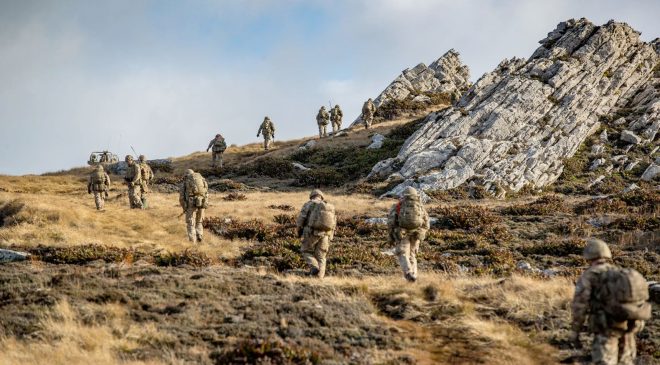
(321, 177)
(546, 205)
(252, 230)
(83, 254)
(270, 351)
(464, 217)
(274, 167)
(284, 207)
(187, 257)
(564, 247)
(234, 197)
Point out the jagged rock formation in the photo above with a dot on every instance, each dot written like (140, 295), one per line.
(516, 125)
(447, 77)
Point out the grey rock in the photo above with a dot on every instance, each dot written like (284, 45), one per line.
(376, 221)
(597, 149)
(299, 166)
(549, 272)
(597, 163)
(598, 180)
(631, 165)
(603, 136)
(620, 121)
(376, 141)
(516, 125)
(11, 256)
(445, 75)
(630, 137)
(631, 187)
(654, 150)
(651, 172)
(309, 144)
(524, 265)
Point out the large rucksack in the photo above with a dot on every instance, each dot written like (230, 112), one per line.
(411, 214)
(322, 217)
(197, 188)
(623, 295)
(219, 145)
(98, 180)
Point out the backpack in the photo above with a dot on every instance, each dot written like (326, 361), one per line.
(98, 180)
(219, 145)
(623, 295)
(411, 214)
(197, 188)
(322, 217)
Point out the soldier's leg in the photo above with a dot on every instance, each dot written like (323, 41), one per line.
(627, 348)
(134, 197)
(605, 349)
(220, 157)
(98, 200)
(199, 224)
(414, 248)
(214, 158)
(143, 196)
(320, 131)
(403, 253)
(308, 248)
(190, 223)
(320, 254)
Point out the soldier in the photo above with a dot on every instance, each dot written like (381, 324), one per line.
(146, 176)
(368, 110)
(407, 225)
(268, 129)
(322, 119)
(615, 301)
(133, 179)
(193, 197)
(218, 147)
(99, 184)
(336, 116)
(316, 224)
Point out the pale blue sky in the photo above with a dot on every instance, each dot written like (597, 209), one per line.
(165, 76)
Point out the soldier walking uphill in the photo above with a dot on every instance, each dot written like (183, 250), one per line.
(194, 197)
(146, 176)
(336, 116)
(407, 224)
(323, 119)
(267, 128)
(133, 179)
(615, 302)
(217, 147)
(316, 224)
(99, 184)
(368, 110)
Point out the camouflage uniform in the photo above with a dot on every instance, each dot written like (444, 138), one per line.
(268, 129)
(322, 119)
(133, 179)
(217, 151)
(613, 342)
(99, 189)
(336, 116)
(194, 214)
(368, 110)
(407, 241)
(146, 176)
(315, 244)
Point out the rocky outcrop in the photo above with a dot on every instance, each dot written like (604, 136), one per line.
(421, 85)
(516, 125)
(11, 256)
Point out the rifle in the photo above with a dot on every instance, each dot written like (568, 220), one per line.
(136, 154)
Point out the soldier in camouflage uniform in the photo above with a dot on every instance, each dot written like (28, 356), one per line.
(323, 119)
(315, 244)
(336, 116)
(146, 176)
(99, 184)
(133, 179)
(217, 147)
(407, 240)
(368, 110)
(614, 342)
(193, 197)
(268, 129)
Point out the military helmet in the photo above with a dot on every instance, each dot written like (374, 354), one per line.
(189, 172)
(596, 249)
(128, 158)
(142, 158)
(315, 193)
(99, 167)
(218, 135)
(410, 191)
(322, 106)
(267, 118)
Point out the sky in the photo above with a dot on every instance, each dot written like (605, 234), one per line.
(165, 76)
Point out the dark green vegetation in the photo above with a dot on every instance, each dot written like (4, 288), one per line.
(394, 109)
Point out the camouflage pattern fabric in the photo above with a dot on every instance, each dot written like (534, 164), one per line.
(315, 244)
(194, 215)
(99, 188)
(216, 155)
(336, 116)
(146, 176)
(368, 110)
(323, 119)
(406, 242)
(614, 342)
(267, 128)
(133, 180)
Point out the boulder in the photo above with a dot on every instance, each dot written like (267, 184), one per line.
(603, 136)
(651, 172)
(517, 124)
(597, 163)
(376, 141)
(630, 137)
(11, 256)
(597, 149)
(299, 166)
(631, 187)
(309, 144)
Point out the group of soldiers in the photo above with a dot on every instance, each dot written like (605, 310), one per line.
(613, 302)
(138, 177)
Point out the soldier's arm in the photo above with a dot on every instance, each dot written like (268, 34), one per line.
(182, 195)
(580, 304)
(259, 131)
(138, 173)
(107, 179)
(427, 221)
(210, 145)
(89, 185)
